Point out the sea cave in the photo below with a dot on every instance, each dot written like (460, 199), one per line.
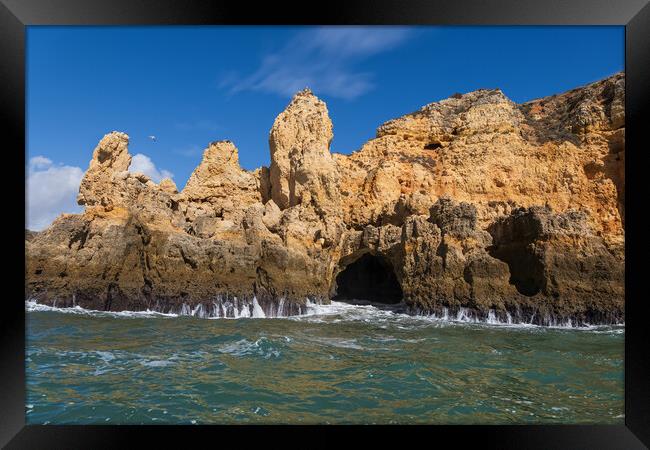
(371, 278)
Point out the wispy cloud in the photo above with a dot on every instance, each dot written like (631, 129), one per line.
(51, 190)
(324, 59)
(144, 164)
(198, 125)
(190, 151)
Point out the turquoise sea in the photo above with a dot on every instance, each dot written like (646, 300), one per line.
(339, 364)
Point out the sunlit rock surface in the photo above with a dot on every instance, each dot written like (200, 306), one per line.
(473, 202)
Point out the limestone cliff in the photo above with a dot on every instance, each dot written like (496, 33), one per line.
(473, 202)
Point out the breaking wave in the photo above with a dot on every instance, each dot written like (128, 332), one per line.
(334, 312)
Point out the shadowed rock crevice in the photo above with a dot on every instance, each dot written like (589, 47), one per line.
(516, 241)
(370, 278)
(526, 268)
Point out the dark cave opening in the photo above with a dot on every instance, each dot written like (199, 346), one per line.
(370, 278)
(526, 268)
(432, 146)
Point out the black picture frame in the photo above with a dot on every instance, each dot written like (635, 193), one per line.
(15, 15)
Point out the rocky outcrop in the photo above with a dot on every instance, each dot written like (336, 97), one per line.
(559, 258)
(29, 234)
(303, 171)
(473, 203)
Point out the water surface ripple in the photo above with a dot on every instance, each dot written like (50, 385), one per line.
(339, 364)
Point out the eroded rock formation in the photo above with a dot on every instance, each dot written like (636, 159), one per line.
(472, 202)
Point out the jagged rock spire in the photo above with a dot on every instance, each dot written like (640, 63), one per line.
(219, 180)
(111, 156)
(302, 169)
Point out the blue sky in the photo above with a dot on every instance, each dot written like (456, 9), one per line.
(192, 85)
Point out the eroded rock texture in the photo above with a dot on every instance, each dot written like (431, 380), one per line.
(472, 202)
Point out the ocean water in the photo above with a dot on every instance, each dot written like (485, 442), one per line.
(339, 363)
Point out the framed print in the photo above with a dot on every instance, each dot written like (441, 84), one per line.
(381, 219)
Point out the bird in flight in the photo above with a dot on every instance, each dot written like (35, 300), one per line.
(153, 138)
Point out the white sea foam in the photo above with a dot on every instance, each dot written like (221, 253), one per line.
(32, 306)
(258, 312)
(341, 343)
(463, 315)
(335, 311)
(105, 356)
(244, 347)
(156, 363)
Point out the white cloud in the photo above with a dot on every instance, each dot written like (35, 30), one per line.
(322, 59)
(51, 190)
(40, 162)
(346, 42)
(144, 164)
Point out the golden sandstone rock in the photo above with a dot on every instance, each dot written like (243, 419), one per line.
(472, 202)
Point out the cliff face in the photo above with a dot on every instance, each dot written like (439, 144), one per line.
(472, 202)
